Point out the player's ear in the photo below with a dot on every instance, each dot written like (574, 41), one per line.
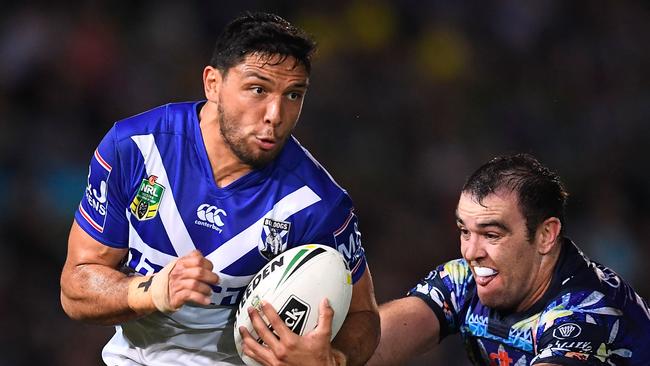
(212, 79)
(547, 234)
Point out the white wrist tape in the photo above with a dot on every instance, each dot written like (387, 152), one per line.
(150, 293)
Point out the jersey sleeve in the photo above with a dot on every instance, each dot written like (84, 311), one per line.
(580, 329)
(101, 212)
(340, 229)
(444, 290)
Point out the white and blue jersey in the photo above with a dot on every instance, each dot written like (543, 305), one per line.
(151, 190)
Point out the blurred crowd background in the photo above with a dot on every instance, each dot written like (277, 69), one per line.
(407, 99)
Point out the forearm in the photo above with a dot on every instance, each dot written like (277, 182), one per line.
(408, 328)
(97, 294)
(358, 336)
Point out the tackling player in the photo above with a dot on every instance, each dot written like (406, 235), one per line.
(192, 199)
(523, 294)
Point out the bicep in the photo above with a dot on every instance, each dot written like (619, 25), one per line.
(408, 328)
(363, 294)
(359, 333)
(83, 250)
(92, 289)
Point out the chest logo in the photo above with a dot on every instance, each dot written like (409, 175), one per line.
(210, 217)
(275, 235)
(146, 202)
(567, 330)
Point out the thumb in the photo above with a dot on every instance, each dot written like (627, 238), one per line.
(325, 316)
(195, 253)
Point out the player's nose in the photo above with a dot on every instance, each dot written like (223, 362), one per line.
(273, 113)
(472, 249)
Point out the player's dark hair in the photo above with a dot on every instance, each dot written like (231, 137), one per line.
(540, 192)
(267, 35)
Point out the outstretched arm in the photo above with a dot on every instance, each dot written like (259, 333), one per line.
(408, 328)
(94, 290)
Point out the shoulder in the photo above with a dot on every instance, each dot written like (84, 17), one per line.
(453, 277)
(454, 274)
(577, 323)
(171, 118)
(447, 290)
(457, 271)
(595, 316)
(298, 162)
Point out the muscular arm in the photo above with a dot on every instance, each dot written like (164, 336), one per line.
(92, 288)
(360, 332)
(408, 328)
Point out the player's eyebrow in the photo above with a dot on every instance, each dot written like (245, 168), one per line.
(254, 74)
(495, 223)
(485, 224)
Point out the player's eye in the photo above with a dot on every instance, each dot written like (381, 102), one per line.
(492, 236)
(464, 233)
(294, 96)
(257, 90)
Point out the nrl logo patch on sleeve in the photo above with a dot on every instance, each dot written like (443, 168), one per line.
(147, 199)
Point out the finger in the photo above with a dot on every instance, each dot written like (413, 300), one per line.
(210, 277)
(262, 329)
(276, 322)
(192, 259)
(190, 296)
(207, 264)
(195, 253)
(325, 316)
(195, 273)
(194, 284)
(181, 291)
(253, 349)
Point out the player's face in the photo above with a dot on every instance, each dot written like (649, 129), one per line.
(259, 104)
(493, 240)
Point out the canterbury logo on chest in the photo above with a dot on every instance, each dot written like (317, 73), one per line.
(210, 216)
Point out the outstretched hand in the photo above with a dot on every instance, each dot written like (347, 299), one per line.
(288, 348)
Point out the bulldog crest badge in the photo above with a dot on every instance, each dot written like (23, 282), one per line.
(275, 235)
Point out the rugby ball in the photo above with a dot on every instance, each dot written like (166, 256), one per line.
(295, 282)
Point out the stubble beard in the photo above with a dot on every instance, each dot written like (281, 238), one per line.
(237, 144)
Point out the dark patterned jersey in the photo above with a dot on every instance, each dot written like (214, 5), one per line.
(588, 316)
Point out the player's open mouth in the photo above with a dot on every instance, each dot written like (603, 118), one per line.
(484, 275)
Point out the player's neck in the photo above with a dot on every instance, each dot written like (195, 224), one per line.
(542, 281)
(226, 167)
